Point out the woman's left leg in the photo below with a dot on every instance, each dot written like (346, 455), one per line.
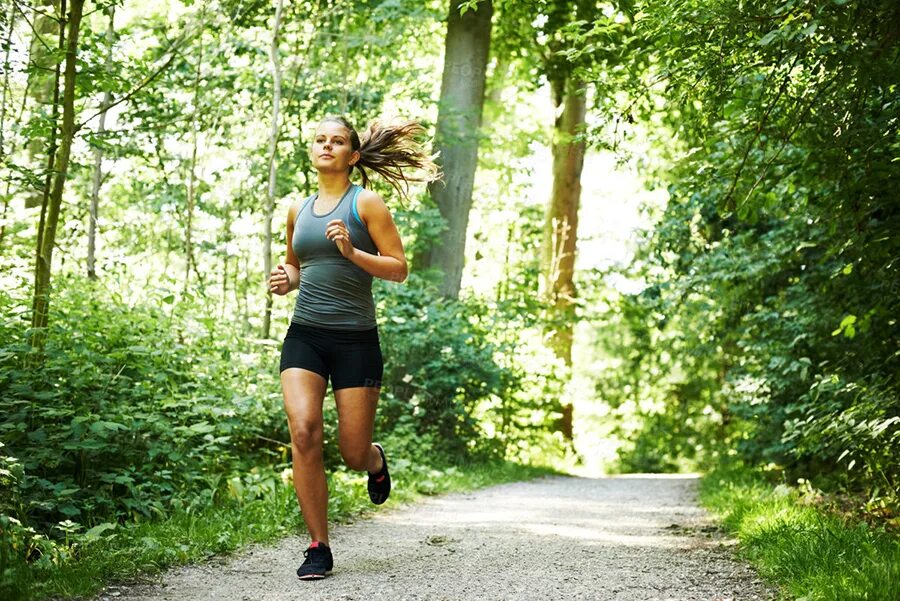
(356, 423)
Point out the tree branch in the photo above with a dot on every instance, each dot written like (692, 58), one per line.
(33, 30)
(130, 94)
(759, 128)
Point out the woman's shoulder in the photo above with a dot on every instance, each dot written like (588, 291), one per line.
(369, 204)
(368, 198)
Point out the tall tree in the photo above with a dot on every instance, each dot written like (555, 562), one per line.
(559, 40)
(459, 121)
(98, 153)
(41, 303)
(33, 147)
(8, 25)
(190, 259)
(560, 239)
(561, 225)
(570, 24)
(273, 167)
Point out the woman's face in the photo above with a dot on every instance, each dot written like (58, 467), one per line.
(332, 149)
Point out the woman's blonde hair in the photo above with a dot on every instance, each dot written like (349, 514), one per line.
(395, 151)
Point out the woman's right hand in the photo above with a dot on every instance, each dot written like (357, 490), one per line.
(279, 282)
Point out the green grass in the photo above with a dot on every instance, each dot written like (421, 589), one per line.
(125, 553)
(808, 553)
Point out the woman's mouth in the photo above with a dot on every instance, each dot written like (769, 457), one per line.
(325, 156)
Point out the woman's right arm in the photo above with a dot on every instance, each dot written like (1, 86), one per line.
(286, 276)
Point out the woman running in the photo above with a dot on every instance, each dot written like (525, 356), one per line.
(338, 240)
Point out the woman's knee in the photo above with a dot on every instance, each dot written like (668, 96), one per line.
(356, 458)
(306, 435)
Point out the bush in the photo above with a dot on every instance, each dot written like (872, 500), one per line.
(134, 409)
(439, 365)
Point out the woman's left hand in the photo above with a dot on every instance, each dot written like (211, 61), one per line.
(337, 231)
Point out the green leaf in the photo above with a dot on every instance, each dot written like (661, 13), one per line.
(203, 427)
(99, 529)
(884, 425)
(769, 37)
(103, 427)
(69, 509)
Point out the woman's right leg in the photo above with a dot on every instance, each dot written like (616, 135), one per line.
(304, 393)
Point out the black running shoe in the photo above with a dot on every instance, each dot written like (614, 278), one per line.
(380, 483)
(318, 562)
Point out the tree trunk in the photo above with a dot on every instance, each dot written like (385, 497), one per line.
(9, 24)
(459, 121)
(189, 260)
(44, 196)
(45, 254)
(43, 81)
(561, 227)
(224, 281)
(248, 325)
(98, 153)
(273, 166)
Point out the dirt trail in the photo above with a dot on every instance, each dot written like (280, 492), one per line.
(623, 538)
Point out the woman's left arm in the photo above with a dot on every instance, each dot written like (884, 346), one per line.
(390, 262)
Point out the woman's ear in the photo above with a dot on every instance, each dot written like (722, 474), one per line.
(354, 158)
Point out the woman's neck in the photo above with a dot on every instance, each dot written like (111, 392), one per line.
(333, 185)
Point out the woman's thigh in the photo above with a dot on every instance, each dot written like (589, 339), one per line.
(356, 418)
(304, 392)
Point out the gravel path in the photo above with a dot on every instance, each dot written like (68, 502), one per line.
(621, 538)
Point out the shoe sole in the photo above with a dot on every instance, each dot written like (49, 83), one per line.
(314, 576)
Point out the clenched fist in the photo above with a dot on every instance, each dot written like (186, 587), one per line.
(279, 282)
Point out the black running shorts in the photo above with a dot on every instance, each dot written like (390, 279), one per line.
(352, 358)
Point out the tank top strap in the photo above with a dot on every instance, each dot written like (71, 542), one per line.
(305, 202)
(353, 205)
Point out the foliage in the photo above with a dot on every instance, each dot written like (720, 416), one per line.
(441, 365)
(769, 309)
(766, 328)
(455, 369)
(135, 411)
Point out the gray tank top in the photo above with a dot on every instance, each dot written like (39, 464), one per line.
(334, 292)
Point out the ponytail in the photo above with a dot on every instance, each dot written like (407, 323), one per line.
(392, 151)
